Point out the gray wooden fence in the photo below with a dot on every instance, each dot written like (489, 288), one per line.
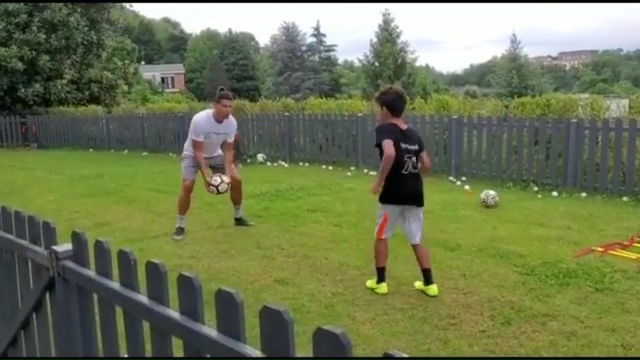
(589, 155)
(47, 305)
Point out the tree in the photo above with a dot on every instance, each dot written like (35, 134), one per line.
(49, 58)
(514, 73)
(149, 46)
(214, 75)
(323, 65)
(239, 56)
(351, 78)
(389, 60)
(200, 50)
(265, 72)
(475, 74)
(426, 81)
(289, 58)
(174, 40)
(117, 72)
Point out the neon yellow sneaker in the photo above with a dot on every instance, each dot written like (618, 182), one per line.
(380, 289)
(430, 290)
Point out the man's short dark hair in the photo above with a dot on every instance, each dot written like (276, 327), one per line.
(223, 94)
(393, 99)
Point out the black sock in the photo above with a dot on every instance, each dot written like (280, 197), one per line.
(427, 277)
(381, 274)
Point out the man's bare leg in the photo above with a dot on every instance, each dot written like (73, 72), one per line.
(235, 194)
(184, 202)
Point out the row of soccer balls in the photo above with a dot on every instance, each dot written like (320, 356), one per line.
(220, 184)
(488, 198)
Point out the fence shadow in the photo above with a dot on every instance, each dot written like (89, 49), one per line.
(49, 293)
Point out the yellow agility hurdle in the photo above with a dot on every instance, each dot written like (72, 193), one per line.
(620, 249)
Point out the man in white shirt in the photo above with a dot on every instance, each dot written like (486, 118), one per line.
(209, 149)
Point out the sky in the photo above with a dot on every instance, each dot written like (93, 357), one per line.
(449, 37)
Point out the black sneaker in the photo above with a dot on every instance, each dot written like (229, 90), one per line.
(242, 221)
(178, 233)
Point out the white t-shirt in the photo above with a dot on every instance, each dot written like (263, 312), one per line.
(204, 128)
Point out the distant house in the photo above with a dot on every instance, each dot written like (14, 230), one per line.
(568, 59)
(169, 77)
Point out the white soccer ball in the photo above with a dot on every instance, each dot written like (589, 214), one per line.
(219, 184)
(489, 198)
(261, 158)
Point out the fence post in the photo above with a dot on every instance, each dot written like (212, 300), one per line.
(571, 164)
(289, 140)
(64, 307)
(141, 119)
(452, 146)
(29, 121)
(360, 140)
(106, 121)
(184, 130)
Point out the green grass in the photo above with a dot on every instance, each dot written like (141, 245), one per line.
(509, 284)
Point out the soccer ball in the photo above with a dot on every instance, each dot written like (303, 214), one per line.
(261, 158)
(219, 184)
(489, 198)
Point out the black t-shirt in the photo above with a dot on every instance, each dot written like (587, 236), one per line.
(403, 185)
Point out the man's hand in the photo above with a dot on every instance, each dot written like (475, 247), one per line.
(227, 149)
(206, 177)
(376, 188)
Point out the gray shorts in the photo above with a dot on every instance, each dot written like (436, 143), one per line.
(190, 167)
(409, 217)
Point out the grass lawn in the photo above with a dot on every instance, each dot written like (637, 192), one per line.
(508, 282)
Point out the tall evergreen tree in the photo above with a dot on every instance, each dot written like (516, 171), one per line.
(323, 64)
(514, 76)
(289, 58)
(239, 56)
(390, 59)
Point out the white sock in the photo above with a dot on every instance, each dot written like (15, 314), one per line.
(237, 210)
(180, 222)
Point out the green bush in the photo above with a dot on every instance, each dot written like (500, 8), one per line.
(549, 106)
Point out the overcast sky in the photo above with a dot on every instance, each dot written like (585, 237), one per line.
(447, 36)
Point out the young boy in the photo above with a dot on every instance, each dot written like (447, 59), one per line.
(403, 163)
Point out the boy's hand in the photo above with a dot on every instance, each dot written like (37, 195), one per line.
(376, 188)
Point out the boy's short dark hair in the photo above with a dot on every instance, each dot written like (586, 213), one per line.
(393, 99)
(222, 94)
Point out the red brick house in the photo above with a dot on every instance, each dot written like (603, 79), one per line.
(169, 77)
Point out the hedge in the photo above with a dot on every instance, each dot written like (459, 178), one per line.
(547, 106)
